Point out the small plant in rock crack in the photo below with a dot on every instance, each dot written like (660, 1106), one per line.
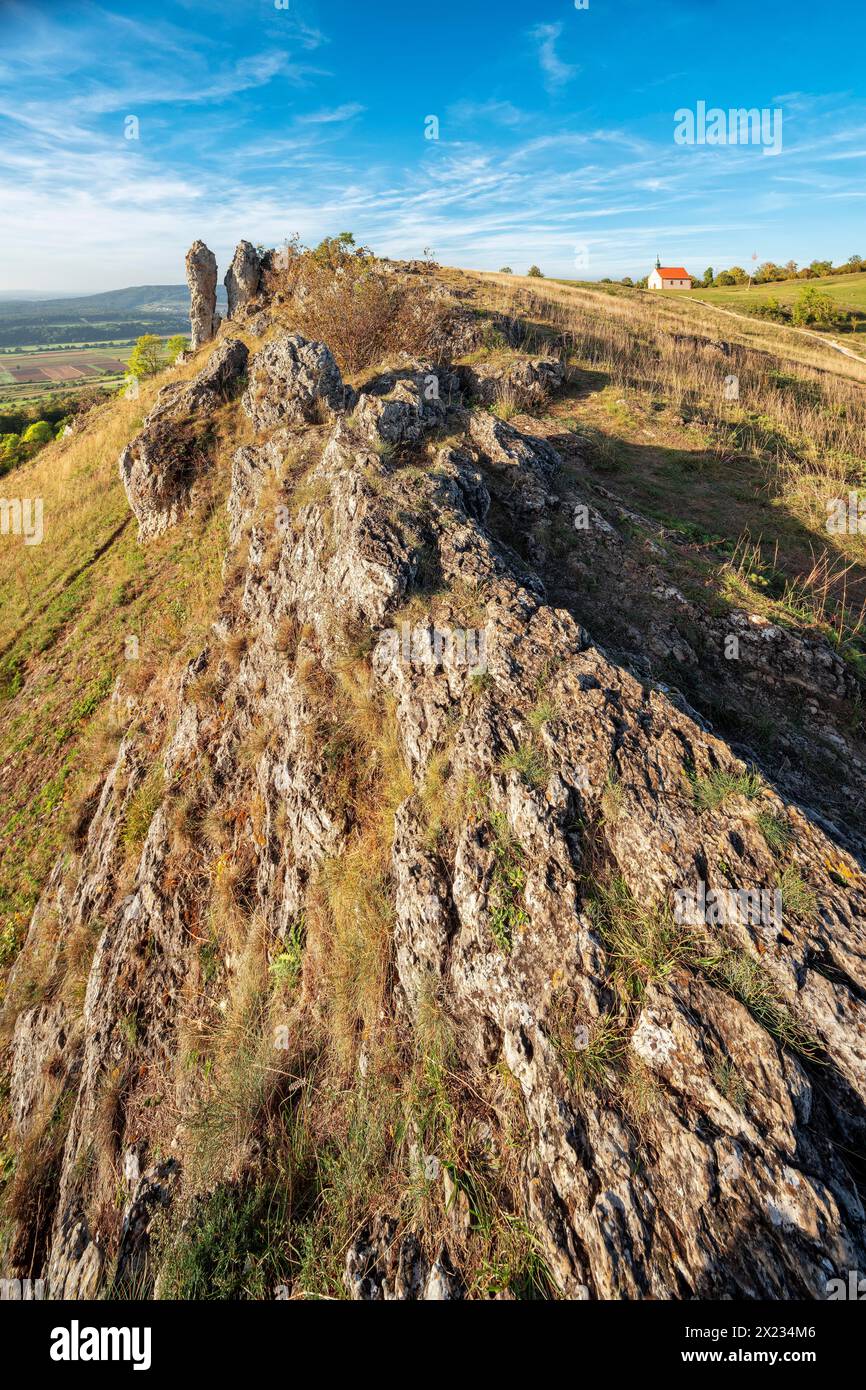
(285, 968)
(506, 404)
(384, 448)
(505, 899)
(529, 762)
(714, 789)
(611, 798)
(775, 830)
(591, 1054)
(142, 807)
(730, 1083)
(747, 980)
(542, 713)
(644, 942)
(797, 897)
(480, 681)
(128, 1028)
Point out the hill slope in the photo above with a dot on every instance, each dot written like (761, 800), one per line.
(849, 292)
(359, 959)
(111, 316)
(133, 299)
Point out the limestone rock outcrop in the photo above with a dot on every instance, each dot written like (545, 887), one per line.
(294, 382)
(242, 278)
(399, 407)
(685, 1096)
(383, 1266)
(162, 465)
(528, 382)
(201, 276)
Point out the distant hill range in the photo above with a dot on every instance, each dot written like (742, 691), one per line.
(97, 318)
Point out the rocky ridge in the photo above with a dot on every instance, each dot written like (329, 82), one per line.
(689, 1096)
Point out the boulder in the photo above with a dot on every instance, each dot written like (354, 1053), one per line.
(528, 382)
(294, 382)
(161, 466)
(399, 407)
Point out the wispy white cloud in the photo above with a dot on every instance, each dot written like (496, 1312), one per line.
(503, 113)
(243, 135)
(556, 71)
(346, 112)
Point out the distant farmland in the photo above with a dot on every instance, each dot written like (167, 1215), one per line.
(25, 375)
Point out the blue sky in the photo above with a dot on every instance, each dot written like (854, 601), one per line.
(555, 133)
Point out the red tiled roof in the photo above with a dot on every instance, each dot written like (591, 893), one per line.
(673, 272)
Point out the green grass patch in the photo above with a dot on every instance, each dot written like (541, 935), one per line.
(505, 900)
(716, 788)
(231, 1247)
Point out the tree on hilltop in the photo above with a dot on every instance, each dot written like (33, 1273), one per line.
(333, 251)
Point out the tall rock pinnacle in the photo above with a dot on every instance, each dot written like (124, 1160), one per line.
(201, 275)
(242, 277)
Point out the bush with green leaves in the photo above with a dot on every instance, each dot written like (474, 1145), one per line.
(233, 1245)
(175, 346)
(150, 355)
(820, 309)
(40, 432)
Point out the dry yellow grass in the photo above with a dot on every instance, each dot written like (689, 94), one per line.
(79, 610)
(799, 412)
(677, 314)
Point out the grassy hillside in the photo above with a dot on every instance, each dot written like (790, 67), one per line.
(115, 316)
(745, 482)
(132, 299)
(67, 608)
(849, 292)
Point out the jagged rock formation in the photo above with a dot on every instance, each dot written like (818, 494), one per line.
(687, 1097)
(201, 276)
(162, 465)
(293, 382)
(529, 382)
(242, 278)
